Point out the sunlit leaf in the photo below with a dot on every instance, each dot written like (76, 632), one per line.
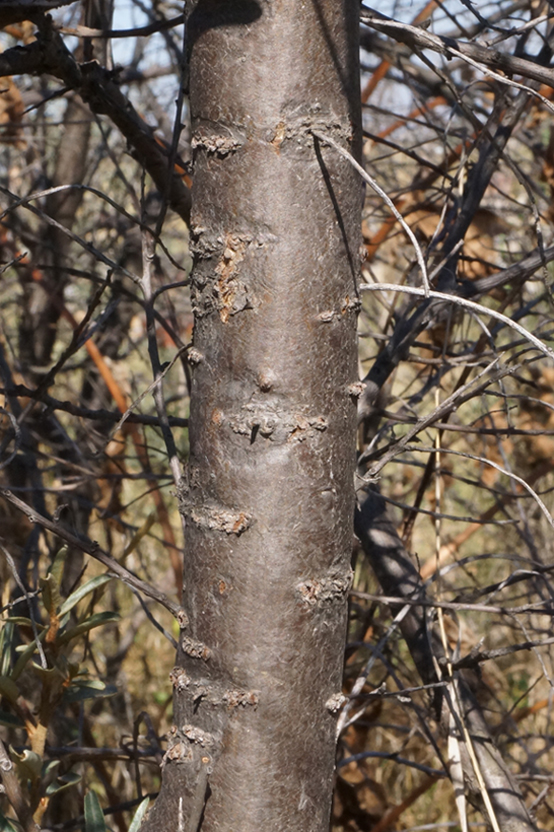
(49, 766)
(49, 591)
(7, 637)
(19, 619)
(56, 570)
(29, 763)
(52, 676)
(26, 655)
(89, 690)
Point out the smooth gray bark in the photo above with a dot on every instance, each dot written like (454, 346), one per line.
(269, 495)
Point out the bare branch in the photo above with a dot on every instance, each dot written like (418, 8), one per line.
(91, 547)
(100, 91)
(418, 38)
(14, 11)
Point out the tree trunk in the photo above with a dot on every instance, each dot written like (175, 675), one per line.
(269, 494)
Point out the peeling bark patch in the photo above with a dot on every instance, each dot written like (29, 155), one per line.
(241, 698)
(280, 133)
(351, 305)
(218, 417)
(202, 246)
(269, 421)
(327, 316)
(196, 649)
(306, 425)
(254, 418)
(320, 591)
(219, 286)
(194, 356)
(336, 702)
(300, 127)
(232, 293)
(181, 683)
(198, 736)
(356, 389)
(177, 750)
(216, 145)
(221, 519)
(179, 679)
(182, 619)
(199, 689)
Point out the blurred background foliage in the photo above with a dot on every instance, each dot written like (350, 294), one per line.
(84, 660)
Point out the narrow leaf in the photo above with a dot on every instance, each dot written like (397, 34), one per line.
(64, 782)
(56, 570)
(17, 619)
(80, 693)
(139, 814)
(5, 824)
(94, 816)
(96, 620)
(28, 763)
(27, 652)
(83, 591)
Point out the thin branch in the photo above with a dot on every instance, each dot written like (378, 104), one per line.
(323, 137)
(418, 39)
(421, 449)
(100, 415)
(92, 548)
(459, 606)
(100, 91)
(23, 589)
(163, 420)
(384, 755)
(13, 791)
(467, 304)
(137, 32)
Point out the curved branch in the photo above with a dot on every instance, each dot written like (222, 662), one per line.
(98, 88)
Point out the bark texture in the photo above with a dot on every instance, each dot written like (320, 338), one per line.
(269, 495)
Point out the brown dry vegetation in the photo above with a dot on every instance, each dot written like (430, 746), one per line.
(93, 713)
